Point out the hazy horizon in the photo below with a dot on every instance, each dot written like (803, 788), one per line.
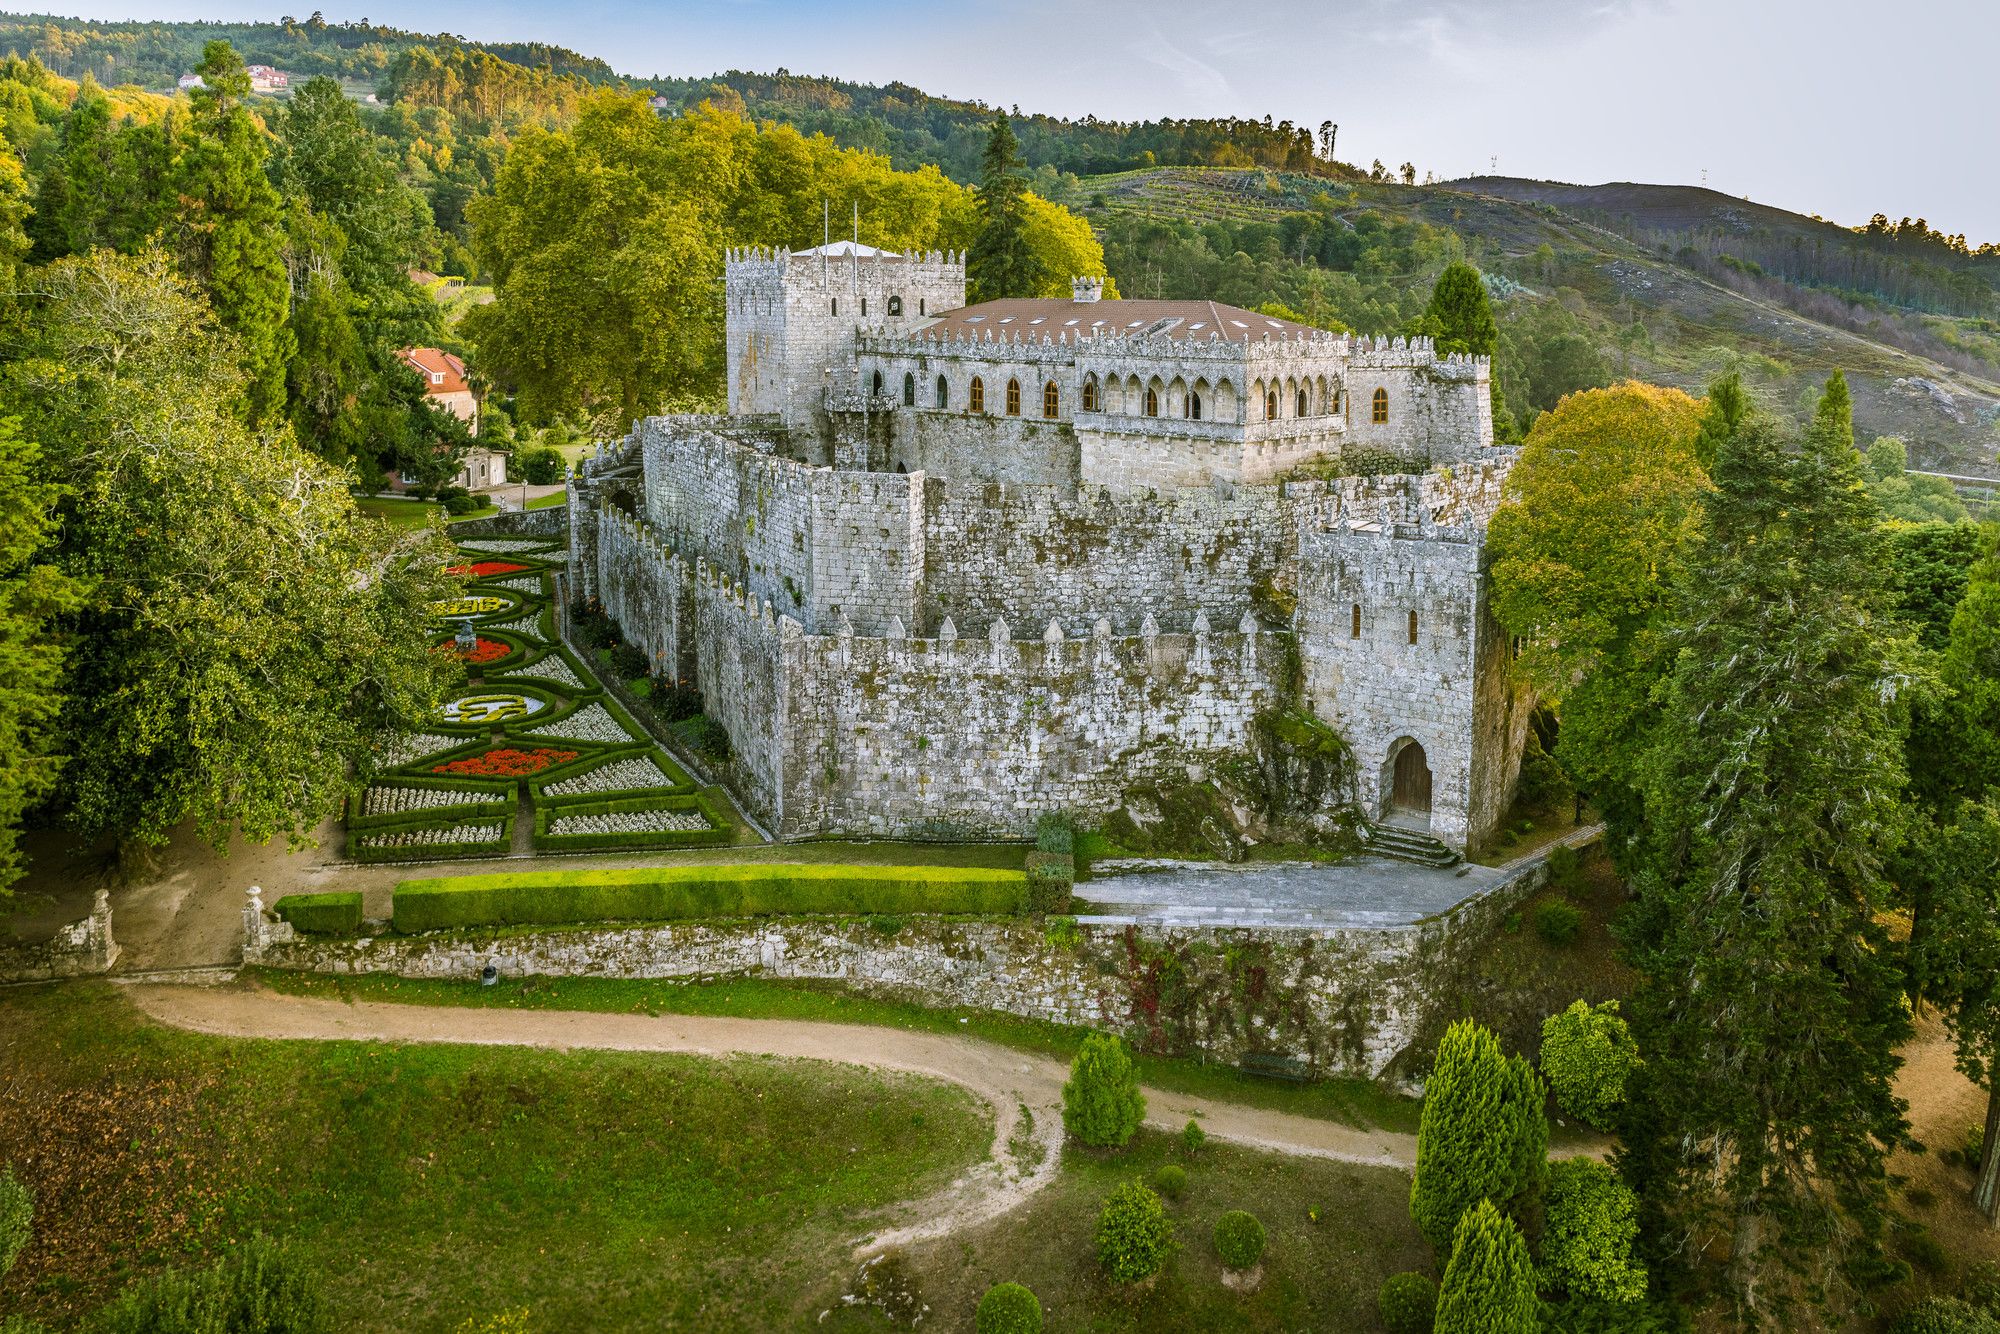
(1815, 107)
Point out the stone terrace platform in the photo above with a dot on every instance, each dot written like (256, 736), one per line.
(1362, 893)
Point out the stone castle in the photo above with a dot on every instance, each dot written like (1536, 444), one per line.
(943, 568)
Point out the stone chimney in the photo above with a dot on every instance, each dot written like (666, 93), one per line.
(1086, 289)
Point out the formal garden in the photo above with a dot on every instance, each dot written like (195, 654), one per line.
(530, 755)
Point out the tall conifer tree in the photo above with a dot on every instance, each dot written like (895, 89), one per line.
(1002, 264)
(1770, 1002)
(1483, 1134)
(1489, 1286)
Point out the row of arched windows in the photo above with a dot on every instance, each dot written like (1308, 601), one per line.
(1194, 403)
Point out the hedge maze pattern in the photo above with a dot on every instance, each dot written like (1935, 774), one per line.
(541, 741)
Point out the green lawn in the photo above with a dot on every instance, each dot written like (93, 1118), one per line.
(1320, 1275)
(410, 513)
(1350, 1101)
(551, 500)
(431, 1184)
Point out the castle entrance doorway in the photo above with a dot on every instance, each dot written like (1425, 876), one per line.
(1410, 783)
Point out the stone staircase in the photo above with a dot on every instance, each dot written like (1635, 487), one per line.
(1408, 845)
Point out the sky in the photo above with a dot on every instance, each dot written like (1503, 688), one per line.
(1835, 107)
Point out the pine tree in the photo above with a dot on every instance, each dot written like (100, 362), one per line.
(233, 226)
(1489, 1286)
(1962, 968)
(73, 196)
(1001, 263)
(1483, 1134)
(1770, 1003)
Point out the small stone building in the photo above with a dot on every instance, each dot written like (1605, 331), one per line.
(943, 568)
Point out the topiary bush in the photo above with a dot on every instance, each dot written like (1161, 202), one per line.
(1588, 1055)
(1558, 923)
(1591, 1221)
(1192, 1138)
(17, 1215)
(337, 913)
(1408, 1303)
(1945, 1315)
(1056, 833)
(1008, 1308)
(1170, 1180)
(1134, 1234)
(1489, 1286)
(1482, 1134)
(1239, 1239)
(1102, 1105)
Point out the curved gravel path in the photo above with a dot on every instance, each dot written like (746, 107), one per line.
(1024, 1158)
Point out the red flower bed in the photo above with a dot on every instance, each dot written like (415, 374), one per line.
(483, 650)
(506, 763)
(484, 568)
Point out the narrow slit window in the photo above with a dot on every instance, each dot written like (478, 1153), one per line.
(1413, 627)
(1354, 621)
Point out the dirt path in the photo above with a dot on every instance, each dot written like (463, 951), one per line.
(1024, 1091)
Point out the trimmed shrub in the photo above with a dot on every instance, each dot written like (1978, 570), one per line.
(1134, 1234)
(1102, 1105)
(1945, 1315)
(1008, 1308)
(1588, 1055)
(1592, 1219)
(1051, 877)
(333, 914)
(259, 1289)
(1192, 1138)
(1489, 1286)
(1055, 833)
(1557, 922)
(1409, 1303)
(669, 893)
(1170, 1180)
(1482, 1134)
(17, 1216)
(1239, 1239)
(540, 465)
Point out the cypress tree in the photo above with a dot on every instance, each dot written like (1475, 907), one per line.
(1001, 263)
(1770, 1002)
(1460, 318)
(1483, 1135)
(1102, 1104)
(1489, 1286)
(233, 227)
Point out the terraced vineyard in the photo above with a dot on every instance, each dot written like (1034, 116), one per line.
(531, 755)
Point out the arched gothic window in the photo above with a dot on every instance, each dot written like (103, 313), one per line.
(976, 399)
(1013, 398)
(909, 390)
(943, 392)
(1152, 401)
(1194, 406)
(895, 305)
(1303, 404)
(1380, 412)
(876, 387)
(1051, 399)
(1090, 394)
(1271, 405)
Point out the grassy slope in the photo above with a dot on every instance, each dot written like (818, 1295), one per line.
(1354, 1102)
(598, 1190)
(1695, 325)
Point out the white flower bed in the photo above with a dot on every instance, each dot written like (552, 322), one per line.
(552, 668)
(387, 799)
(590, 723)
(631, 822)
(521, 583)
(403, 749)
(526, 627)
(434, 838)
(623, 776)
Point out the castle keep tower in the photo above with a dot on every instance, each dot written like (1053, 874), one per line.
(792, 317)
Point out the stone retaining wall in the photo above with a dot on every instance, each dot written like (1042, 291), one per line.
(1345, 1002)
(81, 949)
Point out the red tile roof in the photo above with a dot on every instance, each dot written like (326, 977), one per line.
(431, 361)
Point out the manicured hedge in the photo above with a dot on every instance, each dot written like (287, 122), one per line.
(671, 892)
(335, 914)
(717, 834)
(1051, 877)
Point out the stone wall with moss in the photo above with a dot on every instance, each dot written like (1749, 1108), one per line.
(1343, 1002)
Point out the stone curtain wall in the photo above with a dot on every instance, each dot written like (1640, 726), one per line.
(1439, 407)
(1032, 554)
(977, 736)
(648, 590)
(1345, 1002)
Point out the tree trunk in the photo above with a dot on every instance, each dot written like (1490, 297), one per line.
(1743, 1254)
(1986, 1195)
